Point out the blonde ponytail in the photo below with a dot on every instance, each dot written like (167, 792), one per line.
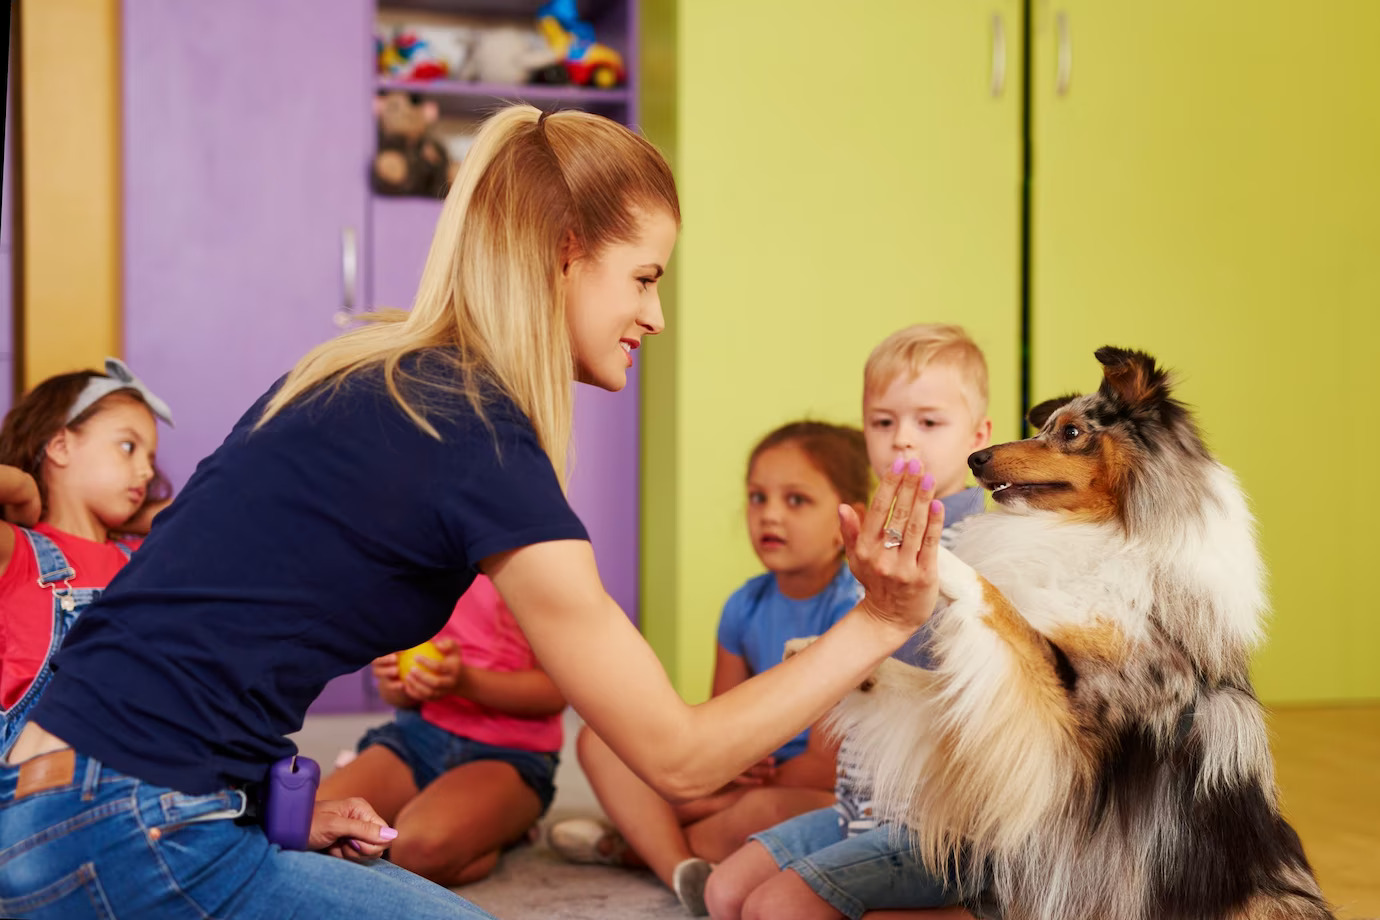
(531, 189)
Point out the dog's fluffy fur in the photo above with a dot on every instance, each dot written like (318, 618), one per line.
(1089, 732)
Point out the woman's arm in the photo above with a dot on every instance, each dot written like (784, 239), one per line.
(613, 679)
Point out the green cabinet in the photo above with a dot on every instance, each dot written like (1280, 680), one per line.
(1203, 184)
(1206, 187)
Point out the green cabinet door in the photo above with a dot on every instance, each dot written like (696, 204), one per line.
(1206, 185)
(845, 170)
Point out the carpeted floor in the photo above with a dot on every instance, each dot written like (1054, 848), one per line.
(531, 881)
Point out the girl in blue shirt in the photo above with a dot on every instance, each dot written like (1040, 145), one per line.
(342, 517)
(797, 477)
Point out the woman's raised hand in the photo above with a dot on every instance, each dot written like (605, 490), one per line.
(894, 550)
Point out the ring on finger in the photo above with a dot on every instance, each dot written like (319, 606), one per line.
(891, 538)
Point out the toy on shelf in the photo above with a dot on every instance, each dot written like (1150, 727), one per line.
(586, 61)
(508, 54)
(409, 160)
(422, 52)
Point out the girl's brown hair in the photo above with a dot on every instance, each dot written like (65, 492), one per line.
(41, 414)
(532, 188)
(837, 451)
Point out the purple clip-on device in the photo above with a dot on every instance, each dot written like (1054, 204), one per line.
(290, 800)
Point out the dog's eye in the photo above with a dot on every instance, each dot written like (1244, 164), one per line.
(1070, 432)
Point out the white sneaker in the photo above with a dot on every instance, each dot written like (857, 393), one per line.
(587, 840)
(688, 881)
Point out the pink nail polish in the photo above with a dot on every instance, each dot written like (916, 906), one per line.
(927, 482)
(898, 464)
(387, 833)
(914, 467)
(936, 506)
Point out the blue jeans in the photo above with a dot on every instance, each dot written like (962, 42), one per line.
(429, 750)
(92, 842)
(874, 870)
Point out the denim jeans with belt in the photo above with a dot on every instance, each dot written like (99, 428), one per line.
(79, 839)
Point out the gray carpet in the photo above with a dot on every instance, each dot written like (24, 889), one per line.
(531, 881)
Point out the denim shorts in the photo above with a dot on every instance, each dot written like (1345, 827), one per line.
(81, 840)
(874, 870)
(429, 751)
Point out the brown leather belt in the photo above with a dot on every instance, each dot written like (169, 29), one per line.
(46, 771)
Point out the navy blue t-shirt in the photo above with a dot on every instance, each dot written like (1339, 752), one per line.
(337, 532)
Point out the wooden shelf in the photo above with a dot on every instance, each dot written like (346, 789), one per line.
(533, 92)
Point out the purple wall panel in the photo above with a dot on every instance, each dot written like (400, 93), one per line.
(246, 143)
(400, 231)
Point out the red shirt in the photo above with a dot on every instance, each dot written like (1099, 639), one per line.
(488, 637)
(26, 624)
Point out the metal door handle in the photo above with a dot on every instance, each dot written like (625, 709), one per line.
(1065, 72)
(349, 276)
(998, 55)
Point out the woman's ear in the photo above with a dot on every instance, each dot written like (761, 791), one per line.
(570, 251)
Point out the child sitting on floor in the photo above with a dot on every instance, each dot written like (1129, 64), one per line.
(467, 767)
(924, 395)
(797, 477)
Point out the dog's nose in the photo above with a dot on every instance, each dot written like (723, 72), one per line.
(978, 459)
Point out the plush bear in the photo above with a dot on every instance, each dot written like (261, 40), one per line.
(410, 160)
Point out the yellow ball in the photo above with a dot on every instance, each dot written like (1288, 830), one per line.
(407, 660)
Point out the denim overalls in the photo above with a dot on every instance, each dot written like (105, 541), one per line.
(56, 575)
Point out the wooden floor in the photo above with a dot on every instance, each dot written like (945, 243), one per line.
(1328, 763)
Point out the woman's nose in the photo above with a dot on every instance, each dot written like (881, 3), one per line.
(652, 319)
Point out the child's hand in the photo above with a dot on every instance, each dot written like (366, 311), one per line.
(19, 493)
(897, 560)
(385, 669)
(759, 774)
(433, 680)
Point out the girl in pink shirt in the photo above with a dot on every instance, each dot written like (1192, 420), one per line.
(467, 766)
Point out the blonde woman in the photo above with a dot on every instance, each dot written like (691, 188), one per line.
(340, 520)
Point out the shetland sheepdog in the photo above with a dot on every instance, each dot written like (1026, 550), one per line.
(1089, 736)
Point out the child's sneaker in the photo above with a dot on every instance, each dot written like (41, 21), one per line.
(587, 840)
(688, 881)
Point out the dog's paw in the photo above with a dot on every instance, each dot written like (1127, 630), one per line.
(794, 646)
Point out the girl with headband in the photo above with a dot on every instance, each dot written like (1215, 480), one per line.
(76, 468)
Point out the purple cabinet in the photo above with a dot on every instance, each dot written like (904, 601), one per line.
(246, 138)
(247, 134)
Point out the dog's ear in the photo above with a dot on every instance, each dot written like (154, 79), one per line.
(1041, 413)
(1132, 377)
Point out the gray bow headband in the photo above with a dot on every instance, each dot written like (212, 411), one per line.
(117, 377)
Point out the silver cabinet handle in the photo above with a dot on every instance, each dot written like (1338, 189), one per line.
(1065, 71)
(349, 276)
(998, 55)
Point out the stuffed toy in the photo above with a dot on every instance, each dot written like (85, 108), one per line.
(508, 54)
(410, 160)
